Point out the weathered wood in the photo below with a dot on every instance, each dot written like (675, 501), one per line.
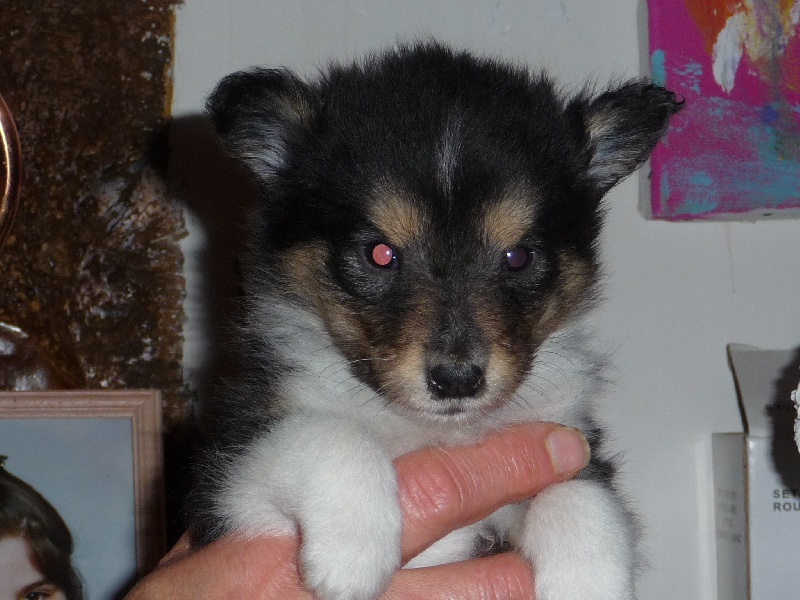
(92, 270)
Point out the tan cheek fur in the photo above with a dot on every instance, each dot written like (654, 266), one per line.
(506, 366)
(304, 272)
(402, 376)
(508, 363)
(397, 366)
(301, 270)
(573, 286)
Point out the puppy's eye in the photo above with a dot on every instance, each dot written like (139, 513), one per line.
(517, 258)
(381, 255)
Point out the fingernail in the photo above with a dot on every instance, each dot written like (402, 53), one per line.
(568, 449)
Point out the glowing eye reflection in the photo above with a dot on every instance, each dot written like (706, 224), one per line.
(382, 255)
(517, 258)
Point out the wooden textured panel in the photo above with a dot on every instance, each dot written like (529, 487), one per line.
(92, 270)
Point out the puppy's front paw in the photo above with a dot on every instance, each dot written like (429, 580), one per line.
(350, 545)
(349, 518)
(337, 486)
(349, 564)
(580, 543)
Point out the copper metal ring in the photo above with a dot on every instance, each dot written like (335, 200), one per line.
(12, 169)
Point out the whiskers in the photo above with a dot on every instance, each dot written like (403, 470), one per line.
(347, 364)
(549, 383)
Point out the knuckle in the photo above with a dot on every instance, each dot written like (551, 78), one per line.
(441, 488)
(508, 577)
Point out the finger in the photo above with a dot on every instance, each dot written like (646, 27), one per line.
(261, 568)
(181, 548)
(442, 489)
(501, 577)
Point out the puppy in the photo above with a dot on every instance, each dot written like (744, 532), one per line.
(421, 271)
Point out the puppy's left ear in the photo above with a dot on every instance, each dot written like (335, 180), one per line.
(622, 126)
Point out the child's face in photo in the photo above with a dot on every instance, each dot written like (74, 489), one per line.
(20, 579)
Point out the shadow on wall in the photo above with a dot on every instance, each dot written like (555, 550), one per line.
(218, 194)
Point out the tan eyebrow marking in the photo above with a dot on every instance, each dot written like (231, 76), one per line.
(506, 221)
(397, 217)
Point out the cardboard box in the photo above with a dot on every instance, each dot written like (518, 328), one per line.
(757, 482)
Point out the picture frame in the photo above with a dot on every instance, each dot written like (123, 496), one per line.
(97, 457)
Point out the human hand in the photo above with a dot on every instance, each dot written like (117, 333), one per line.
(441, 489)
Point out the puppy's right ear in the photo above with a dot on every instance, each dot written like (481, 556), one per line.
(260, 114)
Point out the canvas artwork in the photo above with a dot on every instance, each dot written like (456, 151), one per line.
(734, 151)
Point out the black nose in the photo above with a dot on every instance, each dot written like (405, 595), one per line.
(456, 381)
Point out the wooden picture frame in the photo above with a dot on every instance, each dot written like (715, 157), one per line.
(95, 415)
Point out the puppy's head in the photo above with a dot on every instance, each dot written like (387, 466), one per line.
(439, 212)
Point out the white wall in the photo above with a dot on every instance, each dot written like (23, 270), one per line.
(677, 293)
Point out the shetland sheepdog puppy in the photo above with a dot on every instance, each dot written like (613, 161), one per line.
(421, 269)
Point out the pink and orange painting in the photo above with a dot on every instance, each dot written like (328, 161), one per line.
(734, 150)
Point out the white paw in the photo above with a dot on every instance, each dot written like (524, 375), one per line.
(350, 523)
(352, 567)
(580, 544)
(329, 480)
(456, 546)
